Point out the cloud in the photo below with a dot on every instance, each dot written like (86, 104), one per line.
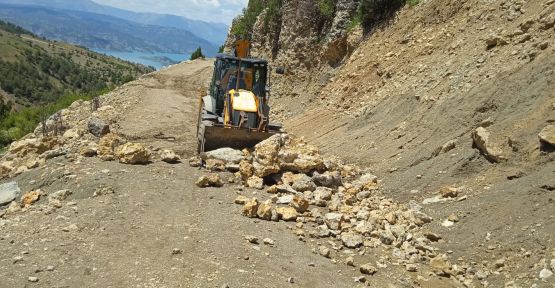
(222, 11)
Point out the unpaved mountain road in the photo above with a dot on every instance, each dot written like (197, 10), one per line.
(127, 239)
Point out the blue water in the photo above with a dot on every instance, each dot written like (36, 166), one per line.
(145, 58)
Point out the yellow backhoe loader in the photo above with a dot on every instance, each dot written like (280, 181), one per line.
(235, 111)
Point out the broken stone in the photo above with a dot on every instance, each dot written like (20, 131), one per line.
(287, 213)
(30, 197)
(255, 182)
(324, 251)
(14, 207)
(264, 211)
(448, 192)
(241, 199)
(482, 142)
(251, 239)
(133, 153)
(327, 179)
(246, 169)
(440, 266)
(60, 195)
(495, 40)
(368, 269)
(351, 240)
(285, 199)
(545, 274)
(98, 127)
(169, 156)
(333, 220)
(547, 137)
(215, 165)
(300, 204)
(89, 150)
(367, 181)
(251, 208)
(322, 194)
(108, 145)
(210, 180)
(302, 183)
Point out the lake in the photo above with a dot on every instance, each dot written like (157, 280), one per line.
(156, 60)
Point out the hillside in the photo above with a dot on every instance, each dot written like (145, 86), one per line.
(35, 71)
(412, 94)
(419, 153)
(213, 32)
(100, 31)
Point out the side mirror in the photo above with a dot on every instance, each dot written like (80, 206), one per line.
(280, 70)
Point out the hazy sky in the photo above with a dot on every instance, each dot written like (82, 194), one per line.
(222, 11)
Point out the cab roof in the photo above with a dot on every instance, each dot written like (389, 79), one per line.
(249, 60)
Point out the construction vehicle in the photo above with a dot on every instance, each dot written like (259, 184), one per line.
(235, 110)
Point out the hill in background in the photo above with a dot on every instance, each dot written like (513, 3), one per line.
(37, 72)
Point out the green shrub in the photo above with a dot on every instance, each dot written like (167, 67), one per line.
(197, 54)
(326, 7)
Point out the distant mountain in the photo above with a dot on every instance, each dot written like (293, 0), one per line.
(215, 33)
(101, 31)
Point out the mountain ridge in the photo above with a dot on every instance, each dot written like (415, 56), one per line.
(102, 31)
(210, 31)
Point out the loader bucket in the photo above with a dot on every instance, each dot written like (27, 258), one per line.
(219, 137)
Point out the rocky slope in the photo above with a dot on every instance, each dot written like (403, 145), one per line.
(448, 94)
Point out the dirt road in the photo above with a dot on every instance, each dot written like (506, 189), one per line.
(157, 229)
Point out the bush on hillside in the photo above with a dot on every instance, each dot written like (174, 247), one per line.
(197, 54)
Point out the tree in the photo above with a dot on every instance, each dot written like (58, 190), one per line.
(197, 54)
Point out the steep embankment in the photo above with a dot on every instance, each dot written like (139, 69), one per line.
(408, 102)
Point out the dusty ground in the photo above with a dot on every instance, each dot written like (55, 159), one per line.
(126, 239)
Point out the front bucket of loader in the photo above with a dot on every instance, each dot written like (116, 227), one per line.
(219, 137)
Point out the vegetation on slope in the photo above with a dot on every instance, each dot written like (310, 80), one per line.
(370, 13)
(39, 77)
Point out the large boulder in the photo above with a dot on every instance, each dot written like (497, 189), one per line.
(481, 138)
(297, 156)
(133, 153)
(265, 160)
(8, 192)
(227, 155)
(108, 145)
(98, 127)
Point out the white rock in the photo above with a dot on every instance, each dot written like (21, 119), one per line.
(447, 223)
(8, 192)
(545, 273)
(224, 154)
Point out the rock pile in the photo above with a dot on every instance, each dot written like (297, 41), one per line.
(85, 133)
(333, 200)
